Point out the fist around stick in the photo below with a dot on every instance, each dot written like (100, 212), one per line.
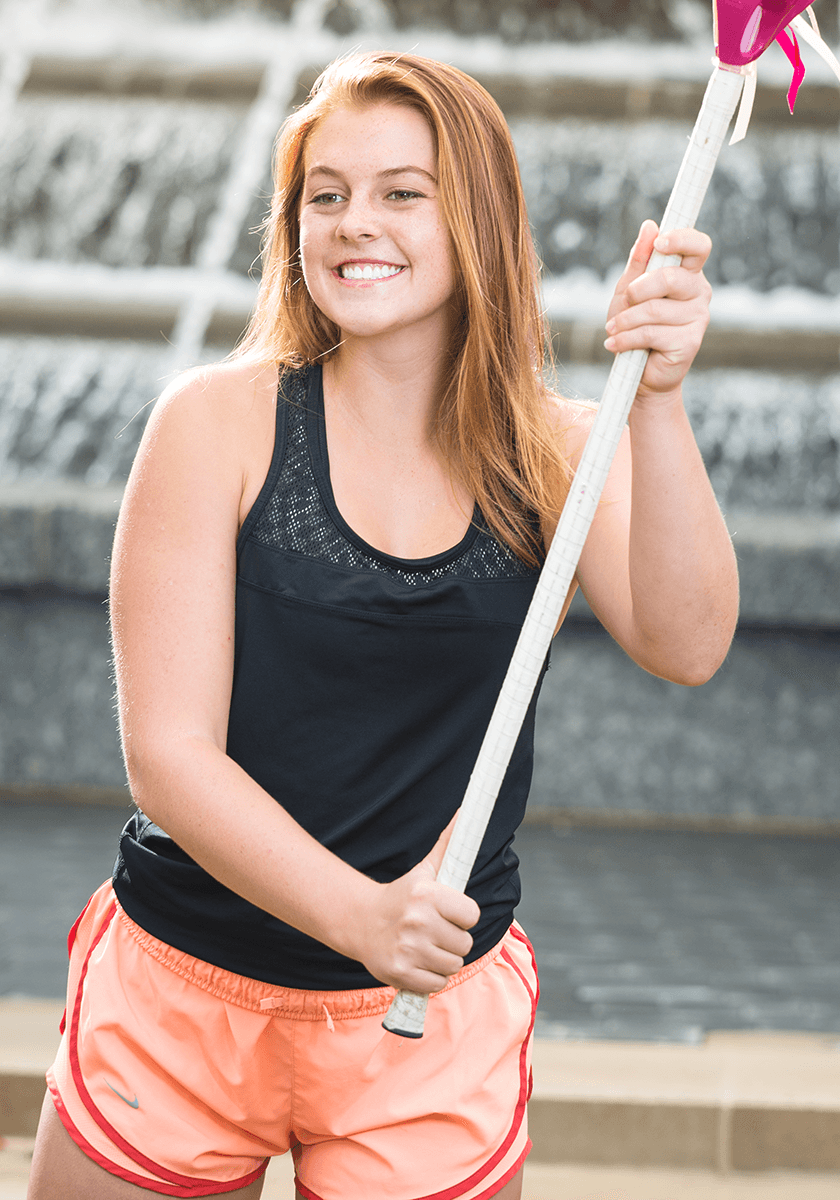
(413, 932)
(665, 311)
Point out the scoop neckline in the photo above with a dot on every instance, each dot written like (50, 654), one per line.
(319, 451)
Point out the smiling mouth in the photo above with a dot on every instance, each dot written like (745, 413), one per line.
(368, 271)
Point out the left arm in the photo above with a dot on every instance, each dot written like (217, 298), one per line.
(658, 569)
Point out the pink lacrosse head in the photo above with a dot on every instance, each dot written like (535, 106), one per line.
(744, 29)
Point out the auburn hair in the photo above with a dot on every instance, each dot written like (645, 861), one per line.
(494, 423)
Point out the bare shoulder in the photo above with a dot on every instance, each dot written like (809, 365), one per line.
(222, 400)
(216, 421)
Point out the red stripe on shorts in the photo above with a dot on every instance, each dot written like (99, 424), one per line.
(175, 1184)
(518, 1114)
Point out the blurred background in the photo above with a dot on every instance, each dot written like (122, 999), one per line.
(133, 175)
(680, 857)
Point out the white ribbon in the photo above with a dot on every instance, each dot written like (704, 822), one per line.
(742, 122)
(811, 35)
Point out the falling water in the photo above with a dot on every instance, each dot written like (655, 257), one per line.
(74, 407)
(134, 181)
(770, 442)
(773, 203)
(126, 181)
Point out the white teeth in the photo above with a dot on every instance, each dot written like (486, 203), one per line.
(355, 271)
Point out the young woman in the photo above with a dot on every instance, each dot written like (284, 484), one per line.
(327, 546)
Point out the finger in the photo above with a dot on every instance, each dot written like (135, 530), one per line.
(434, 858)
(665, 311)
(636, 266)
(457, 908)
(425, 983)
(424, 969)
(636, 263)
(668, 283)
(678, 343)
(642, 249)
(693, 246)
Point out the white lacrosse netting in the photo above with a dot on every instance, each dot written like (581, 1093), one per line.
(407, 1013)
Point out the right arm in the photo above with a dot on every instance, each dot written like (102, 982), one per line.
(172, 604)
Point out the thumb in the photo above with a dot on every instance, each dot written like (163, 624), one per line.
(642, 250)
(434, 858)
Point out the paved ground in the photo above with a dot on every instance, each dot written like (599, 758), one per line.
(642, 935)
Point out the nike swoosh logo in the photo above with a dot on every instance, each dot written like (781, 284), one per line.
(135, 1103)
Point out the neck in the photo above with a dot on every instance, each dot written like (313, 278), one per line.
(391, 387)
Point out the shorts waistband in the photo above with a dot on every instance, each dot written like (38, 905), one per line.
(273, 1001)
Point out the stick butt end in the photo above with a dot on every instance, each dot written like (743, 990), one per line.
(406, 1015)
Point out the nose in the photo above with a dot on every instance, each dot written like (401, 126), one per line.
(359, 221)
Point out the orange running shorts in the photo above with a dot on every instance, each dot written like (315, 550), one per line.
(185, 1079)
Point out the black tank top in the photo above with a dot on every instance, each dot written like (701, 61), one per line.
(363, 685)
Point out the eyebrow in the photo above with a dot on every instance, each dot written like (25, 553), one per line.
(389, 174)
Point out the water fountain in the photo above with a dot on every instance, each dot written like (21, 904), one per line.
(133, 171)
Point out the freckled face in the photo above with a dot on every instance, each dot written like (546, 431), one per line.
(375, 250)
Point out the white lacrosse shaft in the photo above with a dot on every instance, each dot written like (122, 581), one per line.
(407, 1012)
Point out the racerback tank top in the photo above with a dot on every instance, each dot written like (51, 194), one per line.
(363, 685)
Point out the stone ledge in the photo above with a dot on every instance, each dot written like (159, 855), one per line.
(60, 534)
(789, 565)
(57, 533)
(740, 1101)
(790, 351)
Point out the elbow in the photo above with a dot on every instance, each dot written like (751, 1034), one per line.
(700, 665)
(694, 675)
(156, 767)
(144, 778)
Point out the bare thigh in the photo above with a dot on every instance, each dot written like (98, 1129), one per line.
(512, 1189)
(60, 1171)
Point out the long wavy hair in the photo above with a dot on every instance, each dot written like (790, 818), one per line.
(493, 422)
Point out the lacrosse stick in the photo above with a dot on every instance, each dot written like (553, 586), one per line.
(741, 36)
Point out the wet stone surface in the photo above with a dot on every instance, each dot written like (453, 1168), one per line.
(773, 202)
(157, 168)
(759, 740)
(76, 407)
(640, 935)
(58, 667)
(184, 10)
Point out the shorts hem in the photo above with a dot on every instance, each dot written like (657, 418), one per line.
(185, 1191)
(453, 1193)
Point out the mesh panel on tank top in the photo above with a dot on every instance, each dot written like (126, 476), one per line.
(296, 518)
